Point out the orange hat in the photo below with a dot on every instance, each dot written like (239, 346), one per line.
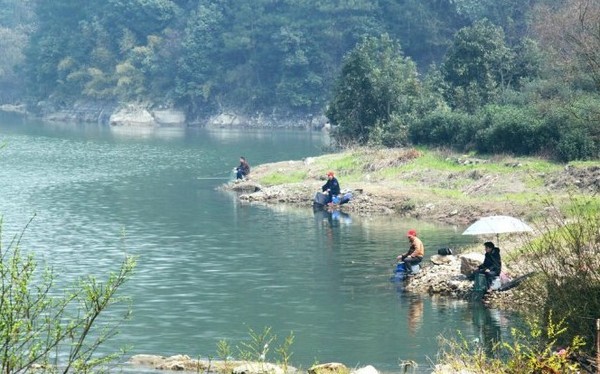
(330, 173)
(411, 232)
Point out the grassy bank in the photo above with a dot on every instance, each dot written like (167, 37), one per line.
(428, 184)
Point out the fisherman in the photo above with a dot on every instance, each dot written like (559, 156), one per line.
(331, 188)
(492, 263)
(243, 169)
(415, 253)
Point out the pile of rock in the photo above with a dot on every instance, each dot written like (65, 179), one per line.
(185, 363)
(443, 276)
(451, 276)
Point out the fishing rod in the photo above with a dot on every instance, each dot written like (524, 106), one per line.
(216, 176)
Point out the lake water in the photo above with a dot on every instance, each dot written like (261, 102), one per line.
(211, 268)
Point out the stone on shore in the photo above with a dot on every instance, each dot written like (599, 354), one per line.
(469, 262)
(448, 369)
(132, 116)
(169, 117)
(441, 260)
(443, 278)
(257, 368)
(140, 116)
(245, 187)
(185, 363)
(329, 368)
(366, 370)
(173, 363)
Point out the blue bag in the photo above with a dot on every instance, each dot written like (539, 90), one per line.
(399, 273)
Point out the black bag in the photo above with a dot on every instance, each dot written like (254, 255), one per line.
(444, 251)
(320, 199)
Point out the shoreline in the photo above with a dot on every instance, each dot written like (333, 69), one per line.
(431, 185)
(427, 185)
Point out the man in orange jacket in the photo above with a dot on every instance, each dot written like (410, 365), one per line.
(415, 252)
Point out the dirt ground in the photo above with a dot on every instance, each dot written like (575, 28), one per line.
(459, 195)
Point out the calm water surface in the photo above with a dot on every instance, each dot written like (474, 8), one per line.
(211, 268)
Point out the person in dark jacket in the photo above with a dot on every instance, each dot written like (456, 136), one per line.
(243, 169)
(331, 188)
(492, 263)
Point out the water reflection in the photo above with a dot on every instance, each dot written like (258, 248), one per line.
(489, 324)
(415, 314)
(150, 132)
(331, 217)
(224, 264)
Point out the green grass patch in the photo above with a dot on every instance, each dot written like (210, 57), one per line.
(534, 182)
(340, 161)
(450, 194)
(582, 207)
(281, 178)
(541, 166)
(434, 161)
(583, 164)
(352, 177)
(440, 161)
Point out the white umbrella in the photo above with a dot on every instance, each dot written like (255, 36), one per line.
(497, 225)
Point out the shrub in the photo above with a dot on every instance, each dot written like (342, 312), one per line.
(565, 256)
(391, 134)
(532, 349)
(41, 327)
(509, 129)
(445, 128)
(576, 145)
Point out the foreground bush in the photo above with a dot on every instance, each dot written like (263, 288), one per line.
(566, 258)
(532, 349)
(50, 330)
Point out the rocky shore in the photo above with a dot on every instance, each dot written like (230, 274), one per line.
(448, 188)
(186, 363)
(160, 115)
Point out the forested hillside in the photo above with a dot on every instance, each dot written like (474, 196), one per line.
(252, 54)
(490, 75)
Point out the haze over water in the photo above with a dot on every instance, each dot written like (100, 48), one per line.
(209, 267)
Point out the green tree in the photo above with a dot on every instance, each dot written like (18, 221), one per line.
(477, 66)
(16, 13)
(376, 84)
(56, 331)
(426, 29)
(259, 56)
(568, 32)
(56, 38)
(143, 17)
(282, 55)
(11, 43)
(199, 67)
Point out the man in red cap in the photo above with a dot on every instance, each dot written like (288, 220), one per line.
(331, 188)
(415, 252)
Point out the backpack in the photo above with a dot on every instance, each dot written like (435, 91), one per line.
(444, 251)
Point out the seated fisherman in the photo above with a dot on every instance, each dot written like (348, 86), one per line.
(415, 253)
(243, 169)
(331, 188)
(492, 263)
